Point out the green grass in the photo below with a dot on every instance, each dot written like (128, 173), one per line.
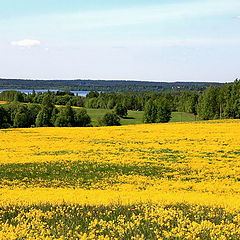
(136, 117)
(75, 174)
(182, 117)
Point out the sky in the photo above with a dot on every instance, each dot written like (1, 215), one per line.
(154, 40)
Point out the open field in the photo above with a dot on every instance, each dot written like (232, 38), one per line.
(153, 181)
(136, 117)
(133, 117)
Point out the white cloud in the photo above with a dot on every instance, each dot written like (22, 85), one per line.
(26, 43)
(238, 17)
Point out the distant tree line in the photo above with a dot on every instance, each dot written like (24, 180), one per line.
(105, 86)
(57, 98)
(129, 100)
(213, 103)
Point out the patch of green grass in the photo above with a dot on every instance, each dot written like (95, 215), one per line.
(74, 174)
(182, 117)
(54, 153)
(136, 117)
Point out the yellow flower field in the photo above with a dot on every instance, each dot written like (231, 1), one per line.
(156, 181)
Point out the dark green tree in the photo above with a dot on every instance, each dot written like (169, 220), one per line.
(54, 116)
(111, 103)
(121, 110)
(187, 102)
(32, 112)
(230, 100)
(44, 117)
(70, 114)
(164, 112)
(12, 109)
(21, 117)
(82, 119)
(208, 104)
(109, 119)
(150, 112)
(91, 103)
(3, 118)
(66, 117)
(157, 111)
(19, 97)
(92, 94)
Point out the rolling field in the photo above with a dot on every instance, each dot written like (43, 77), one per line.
(152, 181)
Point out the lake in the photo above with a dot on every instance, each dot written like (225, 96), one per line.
(79, 93)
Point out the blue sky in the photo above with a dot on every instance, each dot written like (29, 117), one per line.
(159, 40)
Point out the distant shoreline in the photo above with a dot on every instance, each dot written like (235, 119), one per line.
(104, 85)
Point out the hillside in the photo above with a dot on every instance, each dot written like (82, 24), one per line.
(125, 182)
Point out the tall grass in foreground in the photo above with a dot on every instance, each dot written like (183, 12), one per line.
(141, 221)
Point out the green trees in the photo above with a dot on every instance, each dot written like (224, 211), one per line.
(164, 112)
(44, 117)
(91, 103)
(69, 118)
(221, 102)
(230, 100)
(92, 94)
(32, 112)
(21, 115)
(109, 119)
(157, 111)
(3, 117)
(12, 96)
(187, 102)
(121, 110)
(66, 117)
(208, 105)
(82, 119)
(19, 97)
(21, 118)
(12, 109)
(150, 112)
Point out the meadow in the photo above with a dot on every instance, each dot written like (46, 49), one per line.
(136, 117)
(152, 181)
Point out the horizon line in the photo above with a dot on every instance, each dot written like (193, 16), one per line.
(120, 79)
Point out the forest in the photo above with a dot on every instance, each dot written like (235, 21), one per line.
(39, 109)
(105, 85)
